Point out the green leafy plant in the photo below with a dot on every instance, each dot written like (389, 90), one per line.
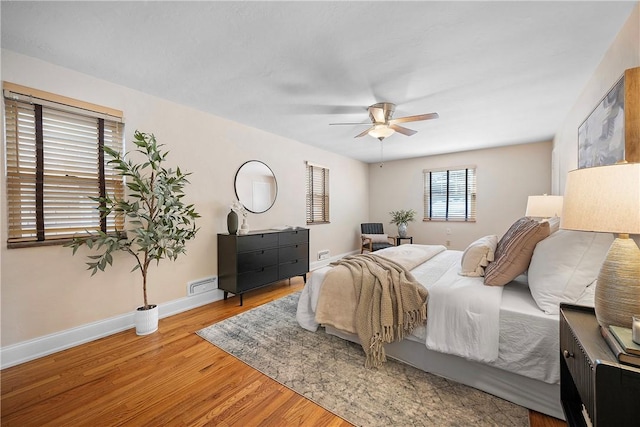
(402, 216)
(157, 223)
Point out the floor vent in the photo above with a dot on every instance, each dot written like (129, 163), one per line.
(202, 285)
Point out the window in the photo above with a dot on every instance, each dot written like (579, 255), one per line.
(55, 162)
(317, 194)
(450, 194)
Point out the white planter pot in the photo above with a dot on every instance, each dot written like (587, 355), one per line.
(146, 321)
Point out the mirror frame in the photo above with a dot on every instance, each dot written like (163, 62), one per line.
(275, 181)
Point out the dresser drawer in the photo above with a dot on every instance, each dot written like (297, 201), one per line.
(298, 267)
(257, 241)
(252, 279)
(292, 237)
(256, 260)
(293, 252)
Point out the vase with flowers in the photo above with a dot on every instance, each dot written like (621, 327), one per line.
(401, 218)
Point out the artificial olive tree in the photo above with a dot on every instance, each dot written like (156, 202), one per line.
(157, 224)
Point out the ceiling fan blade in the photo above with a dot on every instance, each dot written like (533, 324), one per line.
(363, 133)
(318, 109)
(403, 130)
(417, 118)
(350, 124)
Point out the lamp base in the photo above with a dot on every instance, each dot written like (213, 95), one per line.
(617, 296)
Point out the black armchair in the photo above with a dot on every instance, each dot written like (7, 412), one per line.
(373, 237)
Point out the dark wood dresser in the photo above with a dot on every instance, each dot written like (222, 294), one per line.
(257, 259)
(591, 379)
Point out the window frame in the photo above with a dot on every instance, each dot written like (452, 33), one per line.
(53, 152)
(470, 194)
(317, 190)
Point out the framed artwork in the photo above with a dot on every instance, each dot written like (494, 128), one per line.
(601, 135)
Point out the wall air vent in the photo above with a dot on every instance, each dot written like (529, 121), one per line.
(202, 285)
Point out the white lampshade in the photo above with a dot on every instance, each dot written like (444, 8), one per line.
(544, 206)
(604, 198)
(607, 199)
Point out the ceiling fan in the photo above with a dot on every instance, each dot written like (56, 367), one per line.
(383, 125)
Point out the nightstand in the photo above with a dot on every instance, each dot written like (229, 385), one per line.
(591, 379)
(400, 239)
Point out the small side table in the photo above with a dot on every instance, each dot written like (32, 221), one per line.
(400, 239)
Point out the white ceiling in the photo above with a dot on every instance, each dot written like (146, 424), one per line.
(498, 73)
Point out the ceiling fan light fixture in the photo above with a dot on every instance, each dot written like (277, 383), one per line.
(381, 131)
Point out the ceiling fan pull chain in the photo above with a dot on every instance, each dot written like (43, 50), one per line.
(381, 153)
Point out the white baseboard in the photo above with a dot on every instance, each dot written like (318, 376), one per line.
(25, 351)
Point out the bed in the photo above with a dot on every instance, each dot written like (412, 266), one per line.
(509, 348)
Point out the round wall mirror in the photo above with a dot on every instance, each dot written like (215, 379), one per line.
(256, 186)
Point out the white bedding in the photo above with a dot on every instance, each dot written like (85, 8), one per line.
(528, 337)
(463, 314)
(523, 338)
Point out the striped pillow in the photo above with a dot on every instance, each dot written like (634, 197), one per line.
(515, 250)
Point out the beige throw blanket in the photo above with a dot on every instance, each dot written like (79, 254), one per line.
(389, 302)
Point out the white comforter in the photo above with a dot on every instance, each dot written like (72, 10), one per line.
(463, 313)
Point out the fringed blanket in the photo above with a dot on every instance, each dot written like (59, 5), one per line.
(389, 302)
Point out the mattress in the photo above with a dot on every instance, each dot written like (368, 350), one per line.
(528, 343)
(528, 337)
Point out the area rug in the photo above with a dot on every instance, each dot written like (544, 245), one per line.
(330, 371)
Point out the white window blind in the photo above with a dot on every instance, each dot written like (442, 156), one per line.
(55, 163)
(317, 189)
(450, 194)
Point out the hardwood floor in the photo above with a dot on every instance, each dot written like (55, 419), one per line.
(172, 377)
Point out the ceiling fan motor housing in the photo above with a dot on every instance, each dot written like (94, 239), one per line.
(381, 112)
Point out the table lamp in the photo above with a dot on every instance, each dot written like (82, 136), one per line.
(607, 199)
(544, 206)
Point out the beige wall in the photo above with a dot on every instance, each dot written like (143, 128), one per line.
(46, 290)
(505, 178)
(624, 53)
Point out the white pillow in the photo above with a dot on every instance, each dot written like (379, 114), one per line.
(564, 264)
(554, 224)
(376, 238)
(478, 255)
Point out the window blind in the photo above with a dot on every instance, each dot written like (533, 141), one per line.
(450, 194)
(55, 163)
(317, 189)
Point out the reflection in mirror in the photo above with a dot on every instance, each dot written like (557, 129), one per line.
(256, 186)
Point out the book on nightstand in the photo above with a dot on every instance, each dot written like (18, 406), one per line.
(617, 348)
(623, 335)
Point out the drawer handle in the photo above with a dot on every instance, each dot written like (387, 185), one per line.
(567, 354)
